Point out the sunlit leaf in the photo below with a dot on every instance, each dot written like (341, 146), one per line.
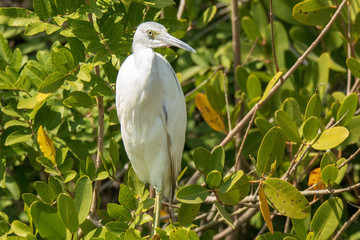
(315, 179)
(265, 211)
(327, 218)
(211, 117)
(331, 138)
(192, 194)
(313, 12)
(46, 145)
(286, 198)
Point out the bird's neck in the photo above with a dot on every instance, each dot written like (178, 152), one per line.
(143, 56)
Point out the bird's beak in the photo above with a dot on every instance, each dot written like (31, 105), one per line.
(169, 40)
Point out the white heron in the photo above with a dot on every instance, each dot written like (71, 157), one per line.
(152, 112)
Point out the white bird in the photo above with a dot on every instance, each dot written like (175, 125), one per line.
(152, 112)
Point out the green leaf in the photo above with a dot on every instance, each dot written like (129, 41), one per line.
(347, 109)
(44, 161)
(34, 73)
(78, 99)
(17, 137)
(42, 8)
(5, 50)
(231, 181)
(271, 148)
(301, 226)
(192, 194)
(178, 234)
(250, 27)
(342, 171)
(253, 86)
(225, 215)
(201, 159)
(354, 66)
(235, 187)
(313, 108)
(215, 91)
(159, 3)
(327, 218)
(310, 236)
(17, 17)
(285, 198)
(329, 174)
(328, 158)
(272, 236)
(20, 228)
(68, 212)
(38, 27)
(44, 191)
(83, 197)
(288, 126)
(85, 31)
(313, 12)
(127, 198)
(114, 152)
(55, 186)
(324, 69)
(207, 16)
(311, 128)
(117, 227)
(331, 138)
(187, 213)
(134, 183)
(119, 212)
(16, 59)
(217, 159)
(213, 179)
(52, 82)
(271, 84)
(47, 221)
(263, 125)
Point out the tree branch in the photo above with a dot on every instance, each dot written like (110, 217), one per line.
(247, 117)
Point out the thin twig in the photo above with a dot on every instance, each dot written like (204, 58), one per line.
(248, 116)
(251, 51)
(100, 140)
(203, 83)
(243, 218)
(273, 38)
(347, 224)
(327, 191)
(181, 9)
(352, 157)
(348, 50)
(235, 28)
(238, 156)
(227, 101)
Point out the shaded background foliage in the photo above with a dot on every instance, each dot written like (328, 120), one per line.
(58, 67)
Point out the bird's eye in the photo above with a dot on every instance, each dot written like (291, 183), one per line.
(150, 33)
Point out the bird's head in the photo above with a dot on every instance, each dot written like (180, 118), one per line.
(154, 35)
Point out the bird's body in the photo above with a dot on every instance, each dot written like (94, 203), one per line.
(151, 109)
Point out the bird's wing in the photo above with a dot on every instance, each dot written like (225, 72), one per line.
(174, 116)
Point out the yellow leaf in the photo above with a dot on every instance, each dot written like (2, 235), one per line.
(211, 117)
(264, 208)
(46, 145)
(42, 96)
(315, 178)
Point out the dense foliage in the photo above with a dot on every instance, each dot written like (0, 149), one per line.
(289, 68)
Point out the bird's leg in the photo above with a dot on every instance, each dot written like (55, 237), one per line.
(157, 210)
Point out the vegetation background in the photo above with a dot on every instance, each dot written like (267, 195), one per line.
(273, 133)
